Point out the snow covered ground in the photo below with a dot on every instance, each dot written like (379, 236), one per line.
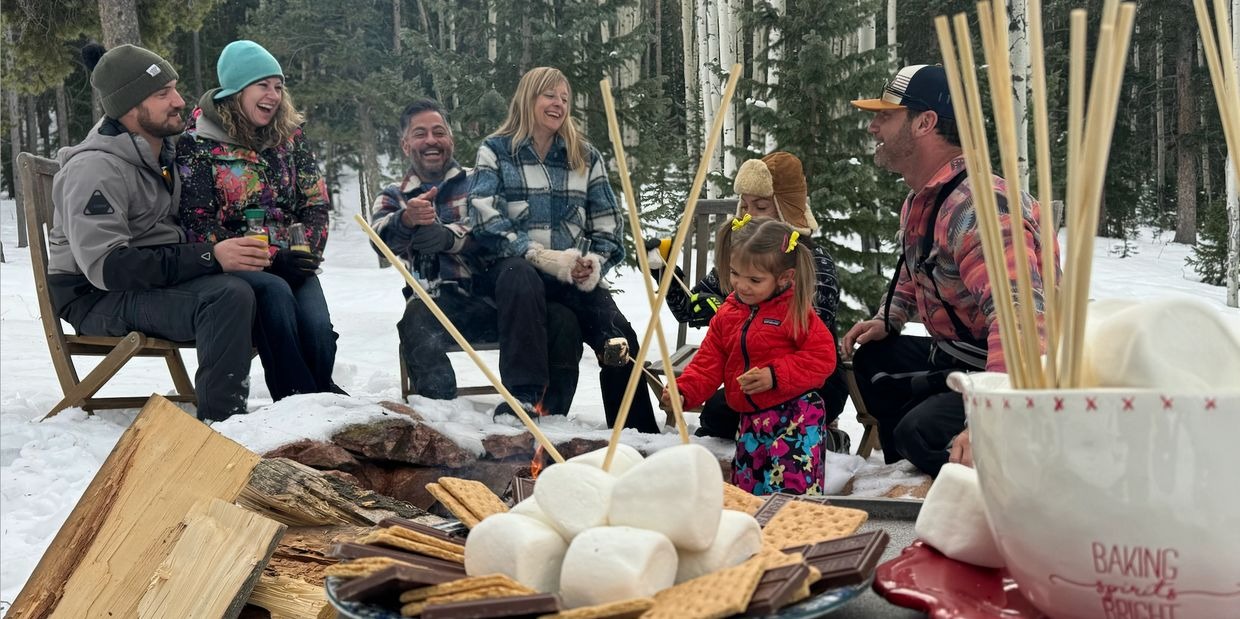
(45, 467)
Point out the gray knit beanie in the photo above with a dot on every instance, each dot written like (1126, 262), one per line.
(128, 74)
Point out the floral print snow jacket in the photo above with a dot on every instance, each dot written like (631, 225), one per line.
(220, 180)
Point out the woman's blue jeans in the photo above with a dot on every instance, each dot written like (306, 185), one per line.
(293, 333)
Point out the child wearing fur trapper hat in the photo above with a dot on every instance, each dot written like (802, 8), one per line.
(774, 187)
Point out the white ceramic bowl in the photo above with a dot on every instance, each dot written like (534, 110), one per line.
(1114, 503)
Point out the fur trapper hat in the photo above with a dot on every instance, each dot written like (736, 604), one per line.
(779, 176)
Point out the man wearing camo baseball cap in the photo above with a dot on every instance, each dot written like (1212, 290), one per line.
(940, 279)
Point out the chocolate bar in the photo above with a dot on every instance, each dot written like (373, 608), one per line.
(425, 529)
(357, 551)
(522, 488)
(776, 501)
(386, 585)
(844, 561)
(776, 589)
(494, 608)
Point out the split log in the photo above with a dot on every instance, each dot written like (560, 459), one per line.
(289, 598)
(297, 495)
(130, 517)
(302, 553)
(214, 565)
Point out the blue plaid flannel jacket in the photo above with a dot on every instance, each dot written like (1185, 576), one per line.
(455, 264)
(516, 200)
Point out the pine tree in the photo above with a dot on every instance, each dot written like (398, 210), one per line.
(850, 197)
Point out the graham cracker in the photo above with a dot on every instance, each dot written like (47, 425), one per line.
(457, 508)
(624, 609)
(358, 568)
(736, 499)
(423, 538)
(395, 541)
(773, 557)
(474, 495)
(414, 609)
(801, 522)
(462, 585)
(715, 595)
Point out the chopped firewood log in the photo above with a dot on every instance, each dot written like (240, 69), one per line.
(297, 495)
(288, 598)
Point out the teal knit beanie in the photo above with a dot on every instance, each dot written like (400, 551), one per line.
(126, 75)
(242, 63)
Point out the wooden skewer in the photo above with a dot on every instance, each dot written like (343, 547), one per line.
(1065, 323)
(1048, 226)
(613, 129)
(460, 339)
(994, 30)
(1222, 67)
(683, 286)
(690, 206)
(967, 100)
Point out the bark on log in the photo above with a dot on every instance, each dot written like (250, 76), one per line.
(298, 495)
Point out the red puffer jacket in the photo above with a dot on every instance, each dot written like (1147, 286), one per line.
(742, 337)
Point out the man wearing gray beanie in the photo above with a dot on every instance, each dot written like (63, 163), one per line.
(119, 260)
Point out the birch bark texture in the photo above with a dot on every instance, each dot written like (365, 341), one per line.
(1018, 49)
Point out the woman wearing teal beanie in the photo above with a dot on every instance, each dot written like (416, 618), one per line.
(243, 157)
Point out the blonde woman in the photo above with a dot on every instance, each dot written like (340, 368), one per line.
(540, 199)
(243, 149)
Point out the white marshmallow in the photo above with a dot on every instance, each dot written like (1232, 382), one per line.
(739, 538)
(626, 458)
(529, 507)
(609, 564)
(1171, 343)
(519, 547)
(677, 491)
(574, 497)
(953, 518)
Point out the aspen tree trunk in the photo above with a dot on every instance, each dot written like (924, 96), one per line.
(1018, 48)
(1233, 203)
(658, 39)
(396, 26)
(492, 45)
(730, 46)
(32, 124)
(62, 115)
(867, 34)
(689, 47)
(1185, 153)
(892, 18)
(1160, 127)
(712, 86)
(119, 22)
(15, 144)
(370, 157)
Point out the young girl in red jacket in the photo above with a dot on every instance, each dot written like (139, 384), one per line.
(771, 352)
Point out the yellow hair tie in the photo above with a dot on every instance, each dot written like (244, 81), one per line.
(792, 241)
(738, 223)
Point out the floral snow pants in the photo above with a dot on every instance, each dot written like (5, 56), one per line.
(780, 449)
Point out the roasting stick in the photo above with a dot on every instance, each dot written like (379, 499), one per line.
(1099, 126)
(1222, 66)
(994, 31)
(460, 339)
(677, 243)
(613, 129)
(1047, 225)
(977, 157)
(1064, 321)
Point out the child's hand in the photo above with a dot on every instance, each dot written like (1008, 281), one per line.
(665, 400)
(756, 380)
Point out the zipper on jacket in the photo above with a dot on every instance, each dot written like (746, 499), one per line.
(753, 312)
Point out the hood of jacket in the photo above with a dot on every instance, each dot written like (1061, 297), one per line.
(205, 123)
(110, 137)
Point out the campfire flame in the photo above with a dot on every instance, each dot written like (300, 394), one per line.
(536, 464)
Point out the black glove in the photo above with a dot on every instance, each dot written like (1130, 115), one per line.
(294, 266)
(702, 307)
(431, 239)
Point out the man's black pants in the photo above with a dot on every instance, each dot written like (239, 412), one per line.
(539, 342)
(903, 382)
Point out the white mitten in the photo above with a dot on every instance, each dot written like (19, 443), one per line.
(554, 262)
(596, 272)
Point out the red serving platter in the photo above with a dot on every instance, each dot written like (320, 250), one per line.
(923, 579)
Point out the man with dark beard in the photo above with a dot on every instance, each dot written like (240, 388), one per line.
(424, 220)
(119, 261)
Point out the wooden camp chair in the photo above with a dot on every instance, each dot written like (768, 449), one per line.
(406, 387)
(696, 263)
(36, 179)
